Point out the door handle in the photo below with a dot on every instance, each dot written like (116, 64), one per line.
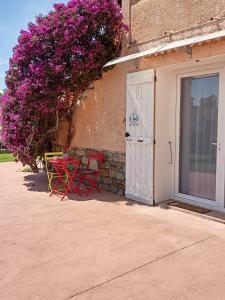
(171, 153)
(140, 141)
(218, 145)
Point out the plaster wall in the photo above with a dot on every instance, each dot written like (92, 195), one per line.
(99, 120)
(150, 19)
(199, 52)
(61, 135)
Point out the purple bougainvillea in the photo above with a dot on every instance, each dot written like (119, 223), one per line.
(54, 61)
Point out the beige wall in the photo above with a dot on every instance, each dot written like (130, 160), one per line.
(152, 18)
(211, 49)
(100, 119)
(62, 134)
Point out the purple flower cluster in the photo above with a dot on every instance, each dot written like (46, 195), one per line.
(57, 56)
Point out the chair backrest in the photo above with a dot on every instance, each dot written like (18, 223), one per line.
(62, 166)
(49, 156)
(97, 157)
(58, 165)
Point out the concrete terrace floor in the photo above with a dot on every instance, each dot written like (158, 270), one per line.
(103, 247)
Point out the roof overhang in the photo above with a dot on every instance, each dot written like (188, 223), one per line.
(186, 44)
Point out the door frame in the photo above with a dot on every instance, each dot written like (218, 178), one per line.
(219, 202)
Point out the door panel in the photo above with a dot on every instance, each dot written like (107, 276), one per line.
(140, 131)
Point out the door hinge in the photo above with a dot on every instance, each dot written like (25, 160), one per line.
(155, 78)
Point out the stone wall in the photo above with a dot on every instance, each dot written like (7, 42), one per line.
(112, 172)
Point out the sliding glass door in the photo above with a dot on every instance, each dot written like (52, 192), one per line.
(198, 132)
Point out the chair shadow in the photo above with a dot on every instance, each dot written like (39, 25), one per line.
(37, 182)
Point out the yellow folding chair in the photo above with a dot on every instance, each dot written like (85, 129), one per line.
(50, 173)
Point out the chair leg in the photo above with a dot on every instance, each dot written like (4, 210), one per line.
(81, 181)
(49, 182)
(54, 189)
(93, 184)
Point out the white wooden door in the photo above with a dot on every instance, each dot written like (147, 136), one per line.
(140, 136)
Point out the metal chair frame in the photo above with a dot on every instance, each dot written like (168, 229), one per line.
(63, 172)
(51, 175)
(91, 175)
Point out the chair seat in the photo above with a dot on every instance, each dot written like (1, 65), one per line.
(86, 171)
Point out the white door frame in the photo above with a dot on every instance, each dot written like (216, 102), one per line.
(219, 203)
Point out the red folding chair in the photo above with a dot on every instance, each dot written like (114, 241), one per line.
(65, 176)
(88, 177)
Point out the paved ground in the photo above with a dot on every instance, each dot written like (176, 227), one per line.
(102, 248)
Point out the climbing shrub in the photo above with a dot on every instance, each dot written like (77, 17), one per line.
(53, 63)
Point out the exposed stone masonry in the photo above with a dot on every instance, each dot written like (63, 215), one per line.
(112, 172)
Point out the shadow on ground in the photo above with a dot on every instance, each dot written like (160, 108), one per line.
(103, 197)
(36, 182)
(39, 183)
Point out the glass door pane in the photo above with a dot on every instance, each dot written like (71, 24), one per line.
(198, 136)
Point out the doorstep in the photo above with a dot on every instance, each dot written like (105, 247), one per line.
(205, 213)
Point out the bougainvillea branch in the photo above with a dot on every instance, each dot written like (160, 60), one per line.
(54, 62)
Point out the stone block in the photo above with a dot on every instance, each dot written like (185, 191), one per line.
(122, 158)
(121, 192)
(112, 173)
(116, 157)
(120, 176)
(104, 172)
(107, 180)
(84, 160)
(115, 165)
(119, 157)
(120, 183)
(98, 180)
(104, 187)
(108, 155)
(113, 189)
(80, 152)
(106, 165)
